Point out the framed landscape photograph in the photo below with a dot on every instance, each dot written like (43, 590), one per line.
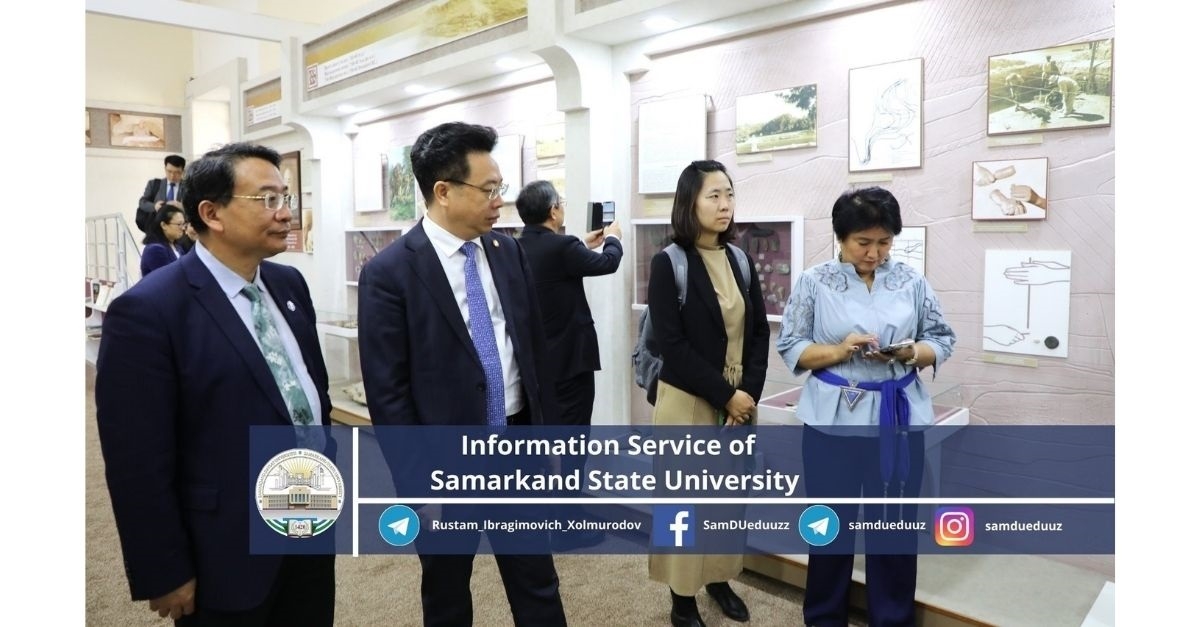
(1051, 89)
(1009, 189)
(884, 116)
(777, 120)
(399, 193)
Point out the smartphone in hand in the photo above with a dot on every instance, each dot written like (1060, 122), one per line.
(891, 348)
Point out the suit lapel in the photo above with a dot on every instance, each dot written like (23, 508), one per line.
(503, 277)
(431, 274)
(216, 303)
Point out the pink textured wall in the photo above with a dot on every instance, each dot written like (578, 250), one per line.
(955, 38)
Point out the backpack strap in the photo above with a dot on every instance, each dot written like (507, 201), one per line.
(679, 264)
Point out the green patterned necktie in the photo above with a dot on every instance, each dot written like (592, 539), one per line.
(281, 367)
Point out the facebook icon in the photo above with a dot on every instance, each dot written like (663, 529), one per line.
(674, 525)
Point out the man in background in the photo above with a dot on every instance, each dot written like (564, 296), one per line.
(166, 190)
(560, 262)
(190, 357)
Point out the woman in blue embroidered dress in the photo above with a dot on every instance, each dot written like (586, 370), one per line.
(858, 405)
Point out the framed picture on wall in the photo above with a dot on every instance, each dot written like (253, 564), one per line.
(399, 189)
(289, 168)
(1009, 189)
(885, 117)
(1051, 89)
(777, 120)
(128, 130)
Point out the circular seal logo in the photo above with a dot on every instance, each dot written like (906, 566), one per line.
(299, 493)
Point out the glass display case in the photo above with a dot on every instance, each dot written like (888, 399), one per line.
(363, 244)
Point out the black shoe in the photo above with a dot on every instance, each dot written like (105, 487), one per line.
(731, 604)
(684, 612)
(563, 541)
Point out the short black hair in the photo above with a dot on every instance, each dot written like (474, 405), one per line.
(176, 161)
(440, 153)
(535, 202)
(213, 177)
(154, 231)
(684, 224)
(862, 209)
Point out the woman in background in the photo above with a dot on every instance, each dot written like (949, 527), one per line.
(859, 404)
(714, 351)
(162, 238)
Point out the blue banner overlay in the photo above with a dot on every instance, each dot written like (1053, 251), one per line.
(970, 489)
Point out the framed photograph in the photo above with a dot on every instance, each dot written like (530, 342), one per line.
(508, 153)
(884, 116)
(399, 186)
(1009, 189)
(363, 244)
(127, 130)
(289, 168)
(550, 140)
(1051, 89)
(777, 120)
(908, 246)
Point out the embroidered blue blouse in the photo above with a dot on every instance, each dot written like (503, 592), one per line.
(830, 301)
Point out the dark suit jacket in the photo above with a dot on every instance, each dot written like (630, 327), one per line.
(155, 256)
(149, 196)
(559, 263)
(692, 339)
(179, 380)
(419, 365)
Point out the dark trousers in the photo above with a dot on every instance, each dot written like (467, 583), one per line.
(530, 582)
(302, 594)
(845, 467)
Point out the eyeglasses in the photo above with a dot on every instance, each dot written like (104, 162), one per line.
(491, 193)
(182, 225)
(273, 201)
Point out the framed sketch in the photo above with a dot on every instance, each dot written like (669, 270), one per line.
(1009, 189)
(1051, 89)
(671, 134)
(289, 168)
(128, 130)
(908, 246)
(884, 116)
(1027, 302)
(399, 186)
(777, 120)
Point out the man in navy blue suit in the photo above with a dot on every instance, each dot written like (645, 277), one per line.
(450, 334)
(181, 376)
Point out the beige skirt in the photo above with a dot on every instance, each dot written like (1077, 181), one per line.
(686, 574)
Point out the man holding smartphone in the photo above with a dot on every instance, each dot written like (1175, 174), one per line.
(559, 263)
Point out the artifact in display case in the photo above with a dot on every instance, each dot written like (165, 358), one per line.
(363, 245)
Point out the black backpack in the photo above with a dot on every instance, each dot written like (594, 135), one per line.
(142, 218)
(647, 360)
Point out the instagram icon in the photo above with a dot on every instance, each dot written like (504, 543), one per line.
(954, 526)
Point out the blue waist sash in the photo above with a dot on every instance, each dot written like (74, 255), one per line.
(893, 419)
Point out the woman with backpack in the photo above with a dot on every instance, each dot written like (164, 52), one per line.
(714, 344)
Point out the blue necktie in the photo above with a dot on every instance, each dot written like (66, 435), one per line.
(484, 338)
(170, 191)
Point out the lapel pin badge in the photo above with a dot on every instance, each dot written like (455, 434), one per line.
(496, 243)
(291, 306)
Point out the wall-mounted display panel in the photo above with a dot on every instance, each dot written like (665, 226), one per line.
(1027, 302)
(1009, 189)
(507, 154)
(1051, 89)
(671, 134)
(885, 116)
(363, 244)
(777, 120)
(133, 130)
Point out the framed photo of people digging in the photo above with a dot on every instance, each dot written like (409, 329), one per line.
(1051, 89)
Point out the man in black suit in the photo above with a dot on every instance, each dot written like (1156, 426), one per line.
(450, 334)
(560, 262)
(166, 190)
(190, 357)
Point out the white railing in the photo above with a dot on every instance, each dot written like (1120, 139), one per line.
(112, 257)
